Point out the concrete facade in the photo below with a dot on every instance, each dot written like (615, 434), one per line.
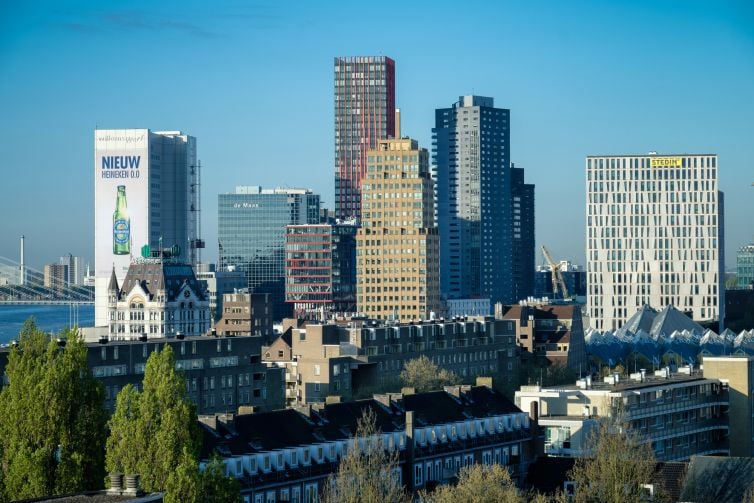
(397, 246)
(655, 236)
(246, 314)
(679, 415)
(336, 360)
(737, 372)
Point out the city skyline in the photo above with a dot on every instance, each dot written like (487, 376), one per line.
(646, 65)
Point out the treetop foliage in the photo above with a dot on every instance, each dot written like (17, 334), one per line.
(53, 428)
(423, 375)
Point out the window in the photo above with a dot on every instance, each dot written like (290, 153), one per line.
(417, 475)
(316, 370)
(316, 386)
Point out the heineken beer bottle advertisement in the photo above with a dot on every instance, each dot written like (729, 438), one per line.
(121, 181)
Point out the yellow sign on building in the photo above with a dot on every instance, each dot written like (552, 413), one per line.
(666, 162)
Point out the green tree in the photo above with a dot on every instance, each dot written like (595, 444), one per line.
(478, 484)
(423, 375)
(184, 484)
(53, 428)
(366, 472)
(218, 487)
(150, 430)
(616, 468)
(187, 484)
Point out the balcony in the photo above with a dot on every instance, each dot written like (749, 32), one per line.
(658, 408)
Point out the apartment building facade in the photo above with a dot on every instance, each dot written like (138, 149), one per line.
(435, 434)
(678, 415)
(338, 360)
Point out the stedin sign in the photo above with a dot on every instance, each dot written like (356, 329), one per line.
(121, 212)
(666, 162)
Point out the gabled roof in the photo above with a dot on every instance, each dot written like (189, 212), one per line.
(264, 431)
(155, 275)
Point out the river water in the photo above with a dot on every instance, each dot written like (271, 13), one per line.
(50, 318)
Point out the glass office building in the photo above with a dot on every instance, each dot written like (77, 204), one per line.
(745, 267)
(251, 232)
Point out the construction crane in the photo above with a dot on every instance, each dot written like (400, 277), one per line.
(557, 275)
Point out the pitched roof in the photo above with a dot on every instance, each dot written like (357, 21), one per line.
(712, 478)
(113, 285)
(266, 431)
(154, 275)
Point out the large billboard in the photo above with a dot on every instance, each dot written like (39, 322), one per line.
(121, 203)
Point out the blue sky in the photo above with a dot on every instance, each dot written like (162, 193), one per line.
(253, 82)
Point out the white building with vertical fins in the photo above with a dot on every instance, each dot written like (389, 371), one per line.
(655, 236)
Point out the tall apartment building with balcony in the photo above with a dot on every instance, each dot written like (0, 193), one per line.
(680, 415)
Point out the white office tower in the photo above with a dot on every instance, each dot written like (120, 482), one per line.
(146, 198)
(655, 236)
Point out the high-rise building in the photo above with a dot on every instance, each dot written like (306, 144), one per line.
(654, 236)
(397, 246)
(75, 270)
(146, 196)
(320, 268)
(745, 267)
(574, 277)
(55, 276)
(484, 250)
(364, 114)
(522, 242)
(217, 283)
(251, 232)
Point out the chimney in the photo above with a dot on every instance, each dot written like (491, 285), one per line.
(484, 381)
(133, 485)
(397, 122)
(116, 484)
(409, 465)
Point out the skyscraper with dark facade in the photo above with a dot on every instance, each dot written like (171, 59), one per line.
(364, 114)
(522, 195)
(251, 232)
(486, 243)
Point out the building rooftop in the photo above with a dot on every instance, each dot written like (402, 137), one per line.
(154, 275)
(265, 431)
(623, 384)
(650, 154)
